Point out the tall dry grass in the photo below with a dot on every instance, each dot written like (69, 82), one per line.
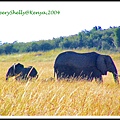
(48, 97)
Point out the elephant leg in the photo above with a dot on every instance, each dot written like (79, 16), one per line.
(36, 77)
(58, 77)
(90, 79)
(99, 79)
(29, 78)
(18, 78)
(57, 74)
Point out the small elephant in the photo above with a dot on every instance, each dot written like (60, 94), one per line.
(84, 65)
(20, 72)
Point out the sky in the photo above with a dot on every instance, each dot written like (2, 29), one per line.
(73, 17)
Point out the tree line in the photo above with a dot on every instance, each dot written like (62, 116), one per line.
(98, 38)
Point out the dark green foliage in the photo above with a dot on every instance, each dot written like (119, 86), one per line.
(98, 38)
(45, 46)
(117, 37)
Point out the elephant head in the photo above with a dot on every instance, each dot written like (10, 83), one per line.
(15, 69)
(104, 64)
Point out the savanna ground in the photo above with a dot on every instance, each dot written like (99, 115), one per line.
(48, 97)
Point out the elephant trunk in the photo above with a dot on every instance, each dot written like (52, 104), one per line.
(6, 77)
(115, 75)
(112, 68)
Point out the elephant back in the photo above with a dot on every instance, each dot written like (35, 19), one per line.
(77, 60)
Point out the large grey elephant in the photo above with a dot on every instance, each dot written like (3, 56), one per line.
(84, 65)
(20, 72)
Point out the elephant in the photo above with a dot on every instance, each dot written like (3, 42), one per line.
(14, 70)
(20, 72)
(89, 66)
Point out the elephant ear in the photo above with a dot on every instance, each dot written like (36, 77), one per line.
(18, 68)
(101, 65)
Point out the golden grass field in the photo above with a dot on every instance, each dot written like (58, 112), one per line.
(48, 97)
